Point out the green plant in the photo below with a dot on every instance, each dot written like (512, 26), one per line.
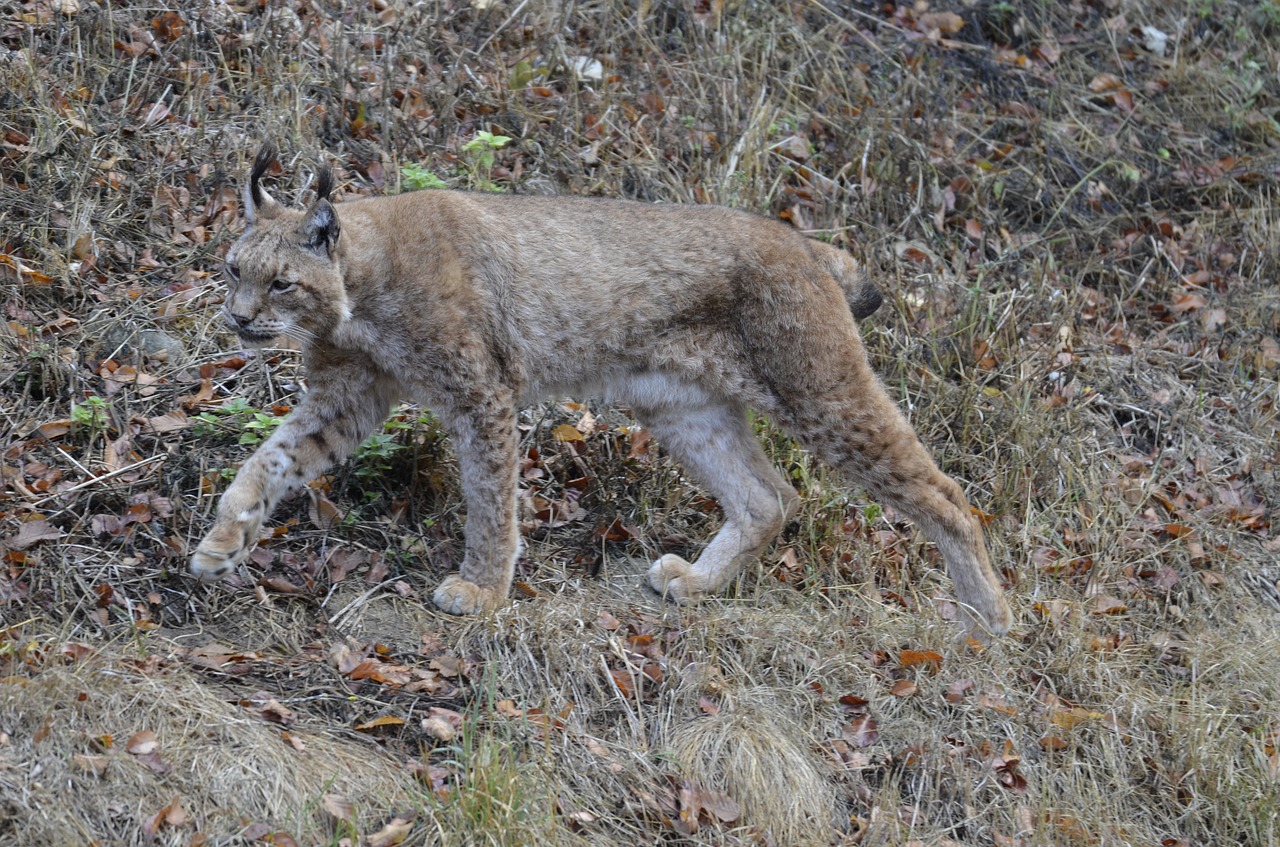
(374, 454)
(478, 156)
(259, 428)
(524, 73)
(414, 177)
(89, 416)
(237, 416)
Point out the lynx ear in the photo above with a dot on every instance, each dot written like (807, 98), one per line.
(256, 200)
(321, 228)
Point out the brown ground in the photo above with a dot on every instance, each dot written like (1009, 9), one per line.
(1073, 211)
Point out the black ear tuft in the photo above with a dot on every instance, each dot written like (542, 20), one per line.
(266, 155)
(324, 183)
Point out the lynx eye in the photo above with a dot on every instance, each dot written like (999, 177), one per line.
(279, 286)
(232, 272)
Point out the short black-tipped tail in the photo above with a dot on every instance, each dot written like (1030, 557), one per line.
(863, 297)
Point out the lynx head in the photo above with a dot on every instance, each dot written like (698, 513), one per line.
(284, 274)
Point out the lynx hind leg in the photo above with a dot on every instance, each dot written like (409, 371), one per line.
(716, 446)
(860, 431)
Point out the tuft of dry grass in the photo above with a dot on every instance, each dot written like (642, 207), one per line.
(1078, 238)
(69, 769)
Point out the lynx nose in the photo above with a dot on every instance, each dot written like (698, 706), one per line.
(238, 321)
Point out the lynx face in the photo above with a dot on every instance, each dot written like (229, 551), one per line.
(283, 275)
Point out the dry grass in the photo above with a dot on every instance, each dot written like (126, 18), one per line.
(1082, 322)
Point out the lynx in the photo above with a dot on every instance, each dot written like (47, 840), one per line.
(473, 304)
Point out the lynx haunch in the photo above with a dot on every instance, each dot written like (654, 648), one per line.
(473, 304)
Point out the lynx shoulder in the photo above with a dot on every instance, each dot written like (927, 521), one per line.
(474, 304)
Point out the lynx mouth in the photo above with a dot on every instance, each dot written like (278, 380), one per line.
(250, 337)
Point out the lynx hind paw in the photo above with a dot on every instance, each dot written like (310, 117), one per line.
(672, 576)
(457, 596)
(221, 550)
(994, 617)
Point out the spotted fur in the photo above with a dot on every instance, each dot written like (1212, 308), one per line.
(474, 304)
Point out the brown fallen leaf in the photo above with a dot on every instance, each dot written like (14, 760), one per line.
(324, 513)
(280, 585)
(640, 439)
(928, 658)
(997, 703)
(956, 691)
(566, 433)
(268, 708)
(1048, 52)
(338, 807)
(861, 731)
(718, 805)
(624, 682)
(343, 657)
(1213, 319)
(449, 666)
(32, 532)
(1105, 82)
(1072, 716)
(1123, 99)
(395, 832)
(1187, 302)
(698, 806)
(55, 429)
(439, 729)
(1105, 604)
(343, 560)
(172, 815)
(154, 763)
(380, 721)
(96, 765)
(142, 743)
(903, 688)
(174, 421)
(1052, 744)
(1004, 765)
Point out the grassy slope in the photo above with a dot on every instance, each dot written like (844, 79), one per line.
(1082, 321)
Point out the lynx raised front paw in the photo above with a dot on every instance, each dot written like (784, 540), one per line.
(671, 576)
(226, 546)
(459, 597)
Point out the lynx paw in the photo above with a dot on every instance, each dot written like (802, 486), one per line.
(459, 597)
(671, 576)
(994, 617)
(226, 546)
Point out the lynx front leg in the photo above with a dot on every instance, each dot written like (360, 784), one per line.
(716, 446)
(333, 419)
(485, 441)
